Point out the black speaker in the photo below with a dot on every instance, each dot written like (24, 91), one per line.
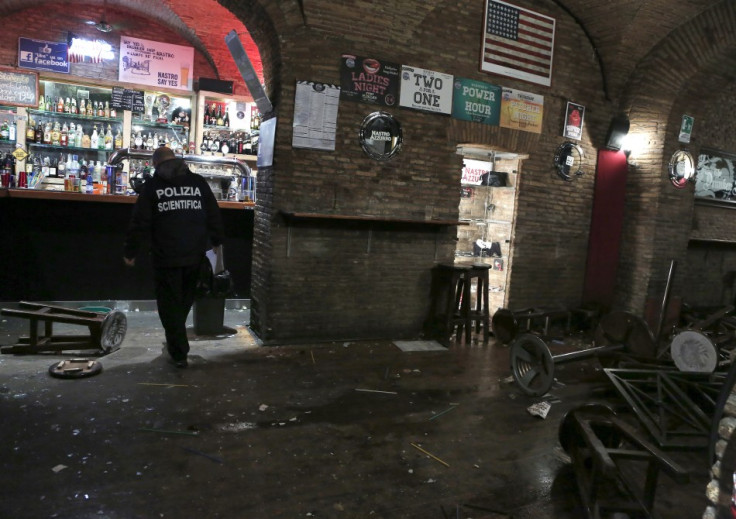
(215, 85)
(616, 132)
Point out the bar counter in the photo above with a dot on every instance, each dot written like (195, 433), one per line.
(65, 246)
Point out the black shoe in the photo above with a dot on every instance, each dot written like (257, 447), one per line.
(181, 363)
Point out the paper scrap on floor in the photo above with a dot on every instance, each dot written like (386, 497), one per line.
(419, 346)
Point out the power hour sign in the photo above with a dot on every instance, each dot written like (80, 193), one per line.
(426, 90)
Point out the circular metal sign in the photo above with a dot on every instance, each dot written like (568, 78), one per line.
(694, 352)
(569, 161)
(681, 169)
(380, 135)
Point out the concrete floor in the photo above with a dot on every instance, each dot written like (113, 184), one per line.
(308, 430)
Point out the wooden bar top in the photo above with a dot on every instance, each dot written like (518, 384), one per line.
(44, 194)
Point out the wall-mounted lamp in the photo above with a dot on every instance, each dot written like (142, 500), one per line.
(617, 132)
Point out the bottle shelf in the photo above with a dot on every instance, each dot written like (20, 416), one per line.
(164, 126)
(43, 146)
(78, 117)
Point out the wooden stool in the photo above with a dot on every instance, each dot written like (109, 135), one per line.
(451, 303)
(106, 330)
(481, 314)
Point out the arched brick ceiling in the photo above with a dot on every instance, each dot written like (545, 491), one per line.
(203, 23)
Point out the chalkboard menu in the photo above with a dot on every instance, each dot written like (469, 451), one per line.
(127, 99)
(18, 88)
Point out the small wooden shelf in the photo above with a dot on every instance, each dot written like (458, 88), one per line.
(368, 218)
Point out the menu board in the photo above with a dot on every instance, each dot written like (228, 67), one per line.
(18, 88)
(127, 99)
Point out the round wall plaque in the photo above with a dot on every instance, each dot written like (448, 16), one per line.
(569, 161)
(681, 168)
(380, 135)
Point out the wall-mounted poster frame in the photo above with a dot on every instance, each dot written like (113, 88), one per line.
(714, 179)
(18, 87)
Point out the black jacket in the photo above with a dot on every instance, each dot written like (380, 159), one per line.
(180, 212)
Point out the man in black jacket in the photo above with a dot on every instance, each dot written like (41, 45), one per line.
(177, 208)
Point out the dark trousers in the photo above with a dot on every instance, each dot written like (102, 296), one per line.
(174, 297)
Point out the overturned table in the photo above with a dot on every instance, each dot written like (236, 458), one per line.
(106, 330)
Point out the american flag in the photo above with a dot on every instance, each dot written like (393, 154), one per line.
(518, 43)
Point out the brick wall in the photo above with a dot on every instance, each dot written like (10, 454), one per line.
(316, 280)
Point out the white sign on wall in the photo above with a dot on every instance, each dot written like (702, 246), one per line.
(426, 90)
(154, 63)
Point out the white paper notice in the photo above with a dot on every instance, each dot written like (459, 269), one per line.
(315, 115)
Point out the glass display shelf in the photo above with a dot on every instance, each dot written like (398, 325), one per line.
(55, 147)
(78, 117)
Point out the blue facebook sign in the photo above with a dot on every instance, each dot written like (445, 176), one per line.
(43, 55)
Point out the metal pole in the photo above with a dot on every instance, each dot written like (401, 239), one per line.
(665, 300)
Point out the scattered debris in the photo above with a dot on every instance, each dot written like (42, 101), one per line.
(443, 412)
(59, 468)
(168, 431)
(262, 407)
(539, 409)
(216, 459)
(235, 427)
(377, 391)
(161, 384)
(417, 447)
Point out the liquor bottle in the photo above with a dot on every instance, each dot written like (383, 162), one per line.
(149, 141)
(56, 134)
(155, 141)
(225, 149)
(38, 137)
(12, 132)
(64, 137)
(41, 103)
(61, 167)
(100, 109)
(118, 143)
(30, 131)
(77, 137)
(239, 144)
(207, 115)
(91, 109)
(82, 107)
(138, 141)
(215, 145)
(50, 105)
(74, 109)
(220, 122)
(60, 105)
(226, 118)
(47, 133)
(86, 141)
(94, 141)
(107, 109)
(67, 106)
(109, 139)
(4, 131)
(113, 112)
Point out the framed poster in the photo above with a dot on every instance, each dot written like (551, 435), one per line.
(574, 117)
(369, 80)
(714, 178)
(476, 101)
(517, 43)
(157, 64)
(426, 90)
(43, 55)
(521, 110)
